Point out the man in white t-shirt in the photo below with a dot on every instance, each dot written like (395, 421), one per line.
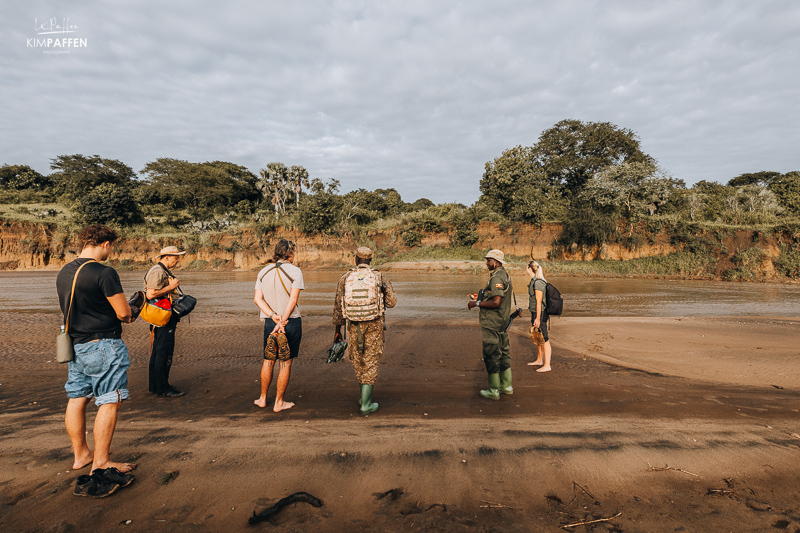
(277, 290)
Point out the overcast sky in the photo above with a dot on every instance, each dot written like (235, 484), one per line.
(415, 95)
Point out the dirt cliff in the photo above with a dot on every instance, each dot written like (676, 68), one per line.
(36, 246)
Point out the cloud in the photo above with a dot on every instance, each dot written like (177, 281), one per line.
(412, 95)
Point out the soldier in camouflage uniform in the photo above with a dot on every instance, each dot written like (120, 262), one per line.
(495, 312)
(366, 337)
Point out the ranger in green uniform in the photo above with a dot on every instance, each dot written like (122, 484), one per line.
(495, 312)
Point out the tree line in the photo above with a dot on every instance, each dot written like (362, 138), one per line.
(591, 176)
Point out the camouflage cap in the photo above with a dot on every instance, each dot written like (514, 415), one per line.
(364, 253)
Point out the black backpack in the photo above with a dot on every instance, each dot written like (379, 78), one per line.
(555, 303)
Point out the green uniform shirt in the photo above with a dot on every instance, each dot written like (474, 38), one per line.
(534, 285)
(499, 285)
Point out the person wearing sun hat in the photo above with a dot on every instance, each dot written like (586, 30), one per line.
(160, 284)
(494, 303)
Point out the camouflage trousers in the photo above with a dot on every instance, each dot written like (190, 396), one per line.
(365, 361)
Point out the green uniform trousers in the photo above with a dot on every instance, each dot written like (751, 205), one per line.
(496, 354)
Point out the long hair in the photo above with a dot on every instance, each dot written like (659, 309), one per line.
(283, 249)
(537, 269)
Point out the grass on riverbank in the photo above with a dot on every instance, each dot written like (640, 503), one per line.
(683, 264)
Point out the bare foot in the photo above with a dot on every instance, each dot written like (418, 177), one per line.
(544, 369)
(282, 406)
(261, 402)
(83, 462)
(536, 363)
(123, 468)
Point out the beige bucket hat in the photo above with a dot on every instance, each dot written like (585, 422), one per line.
(169, 250)
(497, 255)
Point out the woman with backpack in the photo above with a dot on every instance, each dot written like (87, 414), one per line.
(537, 304)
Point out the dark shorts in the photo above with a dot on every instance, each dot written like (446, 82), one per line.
(543, 325)
(543, 329)
(294, 333)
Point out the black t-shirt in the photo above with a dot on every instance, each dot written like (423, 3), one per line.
(92, 316)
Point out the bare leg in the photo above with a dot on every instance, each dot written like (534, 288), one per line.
(104, 425)
(539, 356)
(75, 420)
(266, 379)
(283, 381)
(548, 351)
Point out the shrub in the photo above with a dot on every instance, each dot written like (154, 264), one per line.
(788, 263)
(411, 238)
(109, 204)
(319, 213)
(589, 226)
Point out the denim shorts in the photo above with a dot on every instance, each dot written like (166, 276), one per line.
(100, 369)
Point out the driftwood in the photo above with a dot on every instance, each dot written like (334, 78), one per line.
(659, 469)
(266, 514)
(393, 494)
(491, 505)
(575, 492)
(587, 522)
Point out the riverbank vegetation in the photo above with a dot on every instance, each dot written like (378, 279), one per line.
(592, 179)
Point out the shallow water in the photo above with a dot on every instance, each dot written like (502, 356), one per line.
(441, 294)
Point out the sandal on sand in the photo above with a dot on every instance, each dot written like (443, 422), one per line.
(95, 485)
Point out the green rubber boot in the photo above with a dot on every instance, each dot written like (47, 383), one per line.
(493, 392)
(367, 405)
(505, 382)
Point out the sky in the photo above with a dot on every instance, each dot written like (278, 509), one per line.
(414, 95)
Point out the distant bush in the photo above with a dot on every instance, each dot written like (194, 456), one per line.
(319, 213)
(788, 263)
(589, 226)
(109, 204)
(411, 238)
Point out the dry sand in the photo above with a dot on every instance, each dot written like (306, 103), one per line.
(667, 424)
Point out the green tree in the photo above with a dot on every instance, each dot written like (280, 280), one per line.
(76, 175)
(109, 204)
(200, 186)
(787, 189)
(714, 199)
(419, 205)
(631, 188)
(572, 152)
(273, 184)
(751, 178)
(22, 177)
(516, 186)
(297, 178)
(394, 203)
(320, 212)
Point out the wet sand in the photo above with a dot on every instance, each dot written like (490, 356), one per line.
(677, 425)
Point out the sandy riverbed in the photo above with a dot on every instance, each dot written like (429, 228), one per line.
(715, 400)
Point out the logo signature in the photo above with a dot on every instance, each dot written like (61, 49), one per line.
(56, 45)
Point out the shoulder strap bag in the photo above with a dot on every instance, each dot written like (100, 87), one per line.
(65, 352)
(291, 279)
(183, 304)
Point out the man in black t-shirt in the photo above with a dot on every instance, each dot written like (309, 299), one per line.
(95, 314)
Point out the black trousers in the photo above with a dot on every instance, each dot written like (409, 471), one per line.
(162, 347)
